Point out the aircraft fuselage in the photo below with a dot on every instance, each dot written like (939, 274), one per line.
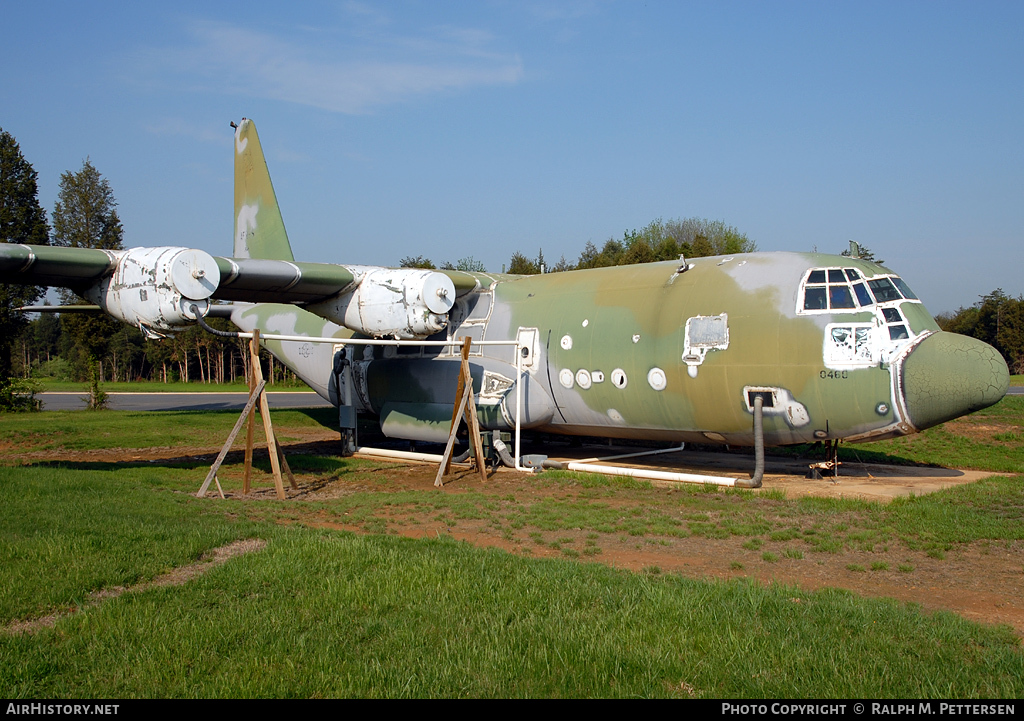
(837, 348)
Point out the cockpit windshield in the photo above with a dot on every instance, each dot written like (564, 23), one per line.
(845, 289)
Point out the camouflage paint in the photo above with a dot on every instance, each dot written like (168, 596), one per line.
(259, 226)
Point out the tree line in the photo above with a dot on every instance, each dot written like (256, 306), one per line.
(658, 240)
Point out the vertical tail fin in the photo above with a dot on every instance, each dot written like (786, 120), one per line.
(259, 227)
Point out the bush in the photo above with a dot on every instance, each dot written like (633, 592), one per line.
(17, 395)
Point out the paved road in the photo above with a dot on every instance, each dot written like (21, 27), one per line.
(179, 401)
(208, 401)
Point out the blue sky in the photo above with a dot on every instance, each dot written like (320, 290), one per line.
(481, 128)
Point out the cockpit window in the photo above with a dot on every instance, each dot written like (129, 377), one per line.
(904, 288)
(814, 298)
(898, 332)
(839, 296)
(892, 315)
(829, 289)
(863, 297)
(841, 289)
(884, 290)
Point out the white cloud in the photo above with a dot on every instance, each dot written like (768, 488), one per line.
(335, 73)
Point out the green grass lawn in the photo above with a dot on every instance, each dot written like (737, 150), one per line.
(322, 613)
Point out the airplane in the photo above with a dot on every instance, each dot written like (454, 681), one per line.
(810, 347)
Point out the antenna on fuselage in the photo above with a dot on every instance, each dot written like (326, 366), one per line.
(854, 249)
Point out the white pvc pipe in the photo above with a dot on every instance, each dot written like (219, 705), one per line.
(651, 474)
(401, 455)
(373, 341)
(519, 392)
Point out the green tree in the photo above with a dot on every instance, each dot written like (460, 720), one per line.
(85, 216)
(468, 264)
(418, 262)
(666, 240)
(22, 220)
(519, 264)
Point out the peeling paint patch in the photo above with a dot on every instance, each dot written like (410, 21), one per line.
(566, 378)
(566, 342)
(619, 379)
(583, 378)
(245, 224)
(616, 416)
(704, 333)
(494, 385)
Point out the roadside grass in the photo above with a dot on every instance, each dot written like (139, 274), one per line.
(78, 430)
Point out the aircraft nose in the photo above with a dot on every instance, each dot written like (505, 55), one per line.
(948, 375)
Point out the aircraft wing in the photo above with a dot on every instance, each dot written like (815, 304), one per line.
(245, 279)
(160, 289)
(155, 288)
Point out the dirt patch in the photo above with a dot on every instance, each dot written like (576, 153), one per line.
(175, 577)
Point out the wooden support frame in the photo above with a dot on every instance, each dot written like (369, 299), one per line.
(257, 397)
(464, 405)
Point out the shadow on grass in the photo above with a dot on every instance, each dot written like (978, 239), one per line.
(316, 457)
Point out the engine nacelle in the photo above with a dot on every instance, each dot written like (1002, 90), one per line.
(404, 303)
(154, 288)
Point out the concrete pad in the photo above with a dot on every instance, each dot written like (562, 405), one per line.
(866, 481)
